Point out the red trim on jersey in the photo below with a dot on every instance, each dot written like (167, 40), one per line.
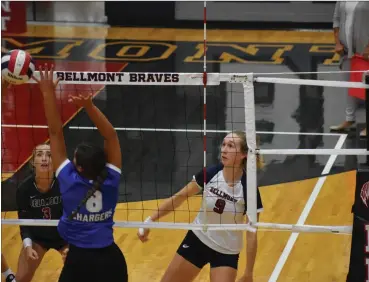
(25, 67)
(12, 60)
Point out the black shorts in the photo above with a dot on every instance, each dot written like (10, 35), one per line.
(47, 245)
(197, 253)
(94, 265)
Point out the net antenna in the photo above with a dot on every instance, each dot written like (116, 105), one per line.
(204, 113)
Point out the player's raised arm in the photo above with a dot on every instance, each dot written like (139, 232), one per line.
(111, 141)
(57, 143)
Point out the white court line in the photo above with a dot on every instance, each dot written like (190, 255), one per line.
(171, 130)
(318, 186)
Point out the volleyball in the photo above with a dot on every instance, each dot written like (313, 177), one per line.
(17, 66)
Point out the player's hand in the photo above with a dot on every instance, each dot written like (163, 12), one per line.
(64, 254)
(339, 48)
(46, 83)
(31, 253)
(143, 234)
(81, 100)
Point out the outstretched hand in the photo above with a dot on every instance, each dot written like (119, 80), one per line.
(46, 82)
(80, 100)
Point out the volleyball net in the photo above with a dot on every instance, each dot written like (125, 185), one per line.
(169, 151)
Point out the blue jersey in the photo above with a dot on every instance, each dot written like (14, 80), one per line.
(92, 226)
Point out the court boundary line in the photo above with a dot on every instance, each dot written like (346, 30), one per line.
(308, 206)
(174, 130)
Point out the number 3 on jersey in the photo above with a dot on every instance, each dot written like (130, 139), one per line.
(47, 212)
(94, 204)
(219, 206)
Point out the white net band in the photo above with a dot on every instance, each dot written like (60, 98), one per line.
(162, 79)
(187, 226)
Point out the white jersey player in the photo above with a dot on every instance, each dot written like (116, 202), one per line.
(225, 196)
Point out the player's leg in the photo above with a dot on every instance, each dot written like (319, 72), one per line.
(27, 266)
(180, 270)
(105, 264)
(62, 247)
(6, 271)
(73, 265)
(223, 267)
(223, 274)
(190, 258)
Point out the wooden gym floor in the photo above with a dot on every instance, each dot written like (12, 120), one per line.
(288, 183)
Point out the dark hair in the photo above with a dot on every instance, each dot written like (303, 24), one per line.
(92, 160)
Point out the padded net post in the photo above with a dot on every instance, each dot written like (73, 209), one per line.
(249, 101)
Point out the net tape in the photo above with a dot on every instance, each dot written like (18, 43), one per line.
(145, 78)
(248, 80)
(185, 226)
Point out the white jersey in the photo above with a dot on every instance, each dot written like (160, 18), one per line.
(224, 205)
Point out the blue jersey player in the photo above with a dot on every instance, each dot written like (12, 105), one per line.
(89, 189)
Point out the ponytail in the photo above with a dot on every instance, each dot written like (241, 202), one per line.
(96, 185)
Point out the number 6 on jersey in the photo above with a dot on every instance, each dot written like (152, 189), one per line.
(94, 204)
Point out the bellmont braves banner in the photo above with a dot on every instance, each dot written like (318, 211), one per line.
(132, 78)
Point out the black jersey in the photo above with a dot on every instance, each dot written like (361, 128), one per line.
(32, 204)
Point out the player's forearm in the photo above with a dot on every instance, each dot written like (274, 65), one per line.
(26, 236)
(168, 206)
(101, 122)
(52, 114)
(251, 250)
(25, 231)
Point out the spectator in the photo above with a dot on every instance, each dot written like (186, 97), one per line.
(351, 33)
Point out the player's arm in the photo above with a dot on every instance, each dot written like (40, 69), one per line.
(111, 141)
(336, 27)
(24, 213)
(251, 250)
(57, 143)
(170, 204)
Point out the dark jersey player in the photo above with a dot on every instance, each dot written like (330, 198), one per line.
(6, 271)
(38, 197)
(359, 256)
(89, 187)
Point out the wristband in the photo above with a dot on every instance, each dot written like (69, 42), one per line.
(27, 242)
(141, 230)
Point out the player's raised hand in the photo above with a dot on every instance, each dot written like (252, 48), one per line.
(46, 83)
(81, 100)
